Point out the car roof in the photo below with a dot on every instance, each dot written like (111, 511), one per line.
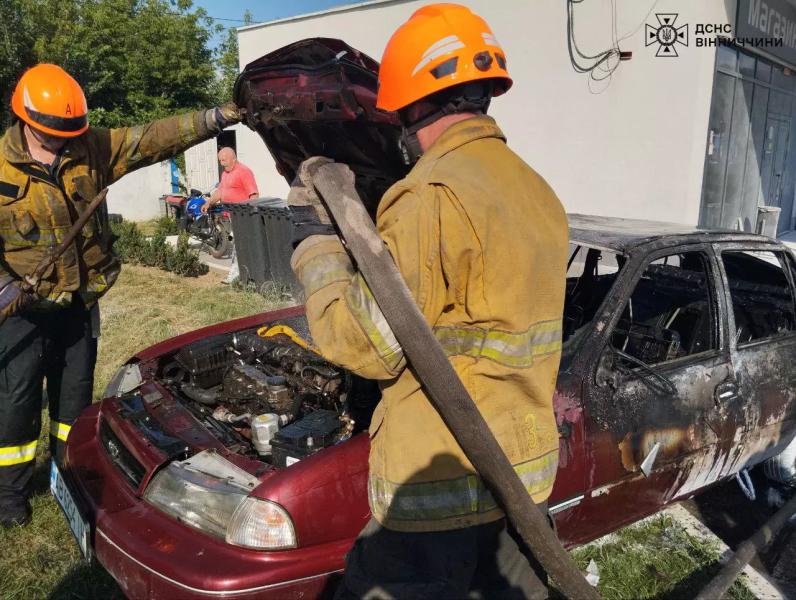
(623, 235)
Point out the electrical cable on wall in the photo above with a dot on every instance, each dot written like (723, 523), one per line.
(602, 65)
(606, 69)
(587, 63)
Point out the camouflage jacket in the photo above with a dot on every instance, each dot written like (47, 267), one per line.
(38, 206)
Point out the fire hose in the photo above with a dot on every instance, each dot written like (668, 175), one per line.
(446, 392)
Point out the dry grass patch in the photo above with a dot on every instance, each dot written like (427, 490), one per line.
(148, 305)
(42, 560)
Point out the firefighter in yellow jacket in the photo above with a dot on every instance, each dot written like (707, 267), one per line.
(51, 166)
(481, 241)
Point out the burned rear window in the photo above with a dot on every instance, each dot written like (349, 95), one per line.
(670, 313)
(762, 298)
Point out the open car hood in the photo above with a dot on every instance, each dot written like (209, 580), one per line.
(317, 97)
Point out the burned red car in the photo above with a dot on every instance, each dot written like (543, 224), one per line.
(232, 461)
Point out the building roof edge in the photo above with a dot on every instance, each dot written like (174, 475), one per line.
(301, 17)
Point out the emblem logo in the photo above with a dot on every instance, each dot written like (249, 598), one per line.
(666, 35)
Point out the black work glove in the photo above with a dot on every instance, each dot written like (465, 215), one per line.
(222, 116)
(310, 216)
(12, 298)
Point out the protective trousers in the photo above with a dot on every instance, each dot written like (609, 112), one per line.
(57, 346)
(487, 562)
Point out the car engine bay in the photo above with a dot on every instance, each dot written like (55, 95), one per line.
(267, 394)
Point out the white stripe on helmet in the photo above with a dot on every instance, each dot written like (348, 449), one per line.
(490, 39)
(26, 99)
(435, 51)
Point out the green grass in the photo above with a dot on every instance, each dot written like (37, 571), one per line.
(656, 558)
(42, 560)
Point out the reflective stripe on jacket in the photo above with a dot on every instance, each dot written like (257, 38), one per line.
(38, 208)
(481, 241)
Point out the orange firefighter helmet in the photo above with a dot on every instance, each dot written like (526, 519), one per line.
(440, 46)
(48, 99)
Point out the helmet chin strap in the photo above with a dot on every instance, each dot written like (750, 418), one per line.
(410, 144)
(471, 97)
(410, 147)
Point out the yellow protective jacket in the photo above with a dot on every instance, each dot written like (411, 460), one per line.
(37, 208)
(481, 241)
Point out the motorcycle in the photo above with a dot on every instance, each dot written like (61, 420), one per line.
(212, 228)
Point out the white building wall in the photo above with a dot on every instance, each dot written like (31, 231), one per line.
(636, 149)
(136, 196)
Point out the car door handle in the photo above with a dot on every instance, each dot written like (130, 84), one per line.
(725, 391)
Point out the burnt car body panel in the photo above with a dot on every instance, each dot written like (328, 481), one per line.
(731, 406)
(734, 407)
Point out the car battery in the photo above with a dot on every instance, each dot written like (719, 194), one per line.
(304, 437)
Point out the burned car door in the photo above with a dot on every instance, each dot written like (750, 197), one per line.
(591, 274)
(760, 283)
(652, 392)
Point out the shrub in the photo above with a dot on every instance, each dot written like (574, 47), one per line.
(182, 260)
(132, 247)
(166, 225)
(129, 241)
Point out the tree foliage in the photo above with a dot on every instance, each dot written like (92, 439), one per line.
(136, 59)
(227, 63)
(16, 49)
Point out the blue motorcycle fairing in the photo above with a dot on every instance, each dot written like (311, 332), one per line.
(193, 207)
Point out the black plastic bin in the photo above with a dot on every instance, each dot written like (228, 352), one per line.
(277, 226)
(249, 239)
(241, 233)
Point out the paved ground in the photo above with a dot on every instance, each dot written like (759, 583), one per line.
(734, 518)
(221, 264)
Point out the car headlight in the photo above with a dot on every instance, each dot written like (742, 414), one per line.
(261, 524)
(221, 507)
(126, 379)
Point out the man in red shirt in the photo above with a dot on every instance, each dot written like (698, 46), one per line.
(237, 185)
(237, 181)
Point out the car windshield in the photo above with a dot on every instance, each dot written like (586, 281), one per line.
(591, 273)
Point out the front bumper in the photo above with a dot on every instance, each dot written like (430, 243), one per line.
(153, 556)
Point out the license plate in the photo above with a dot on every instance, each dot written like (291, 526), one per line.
(77, 523)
